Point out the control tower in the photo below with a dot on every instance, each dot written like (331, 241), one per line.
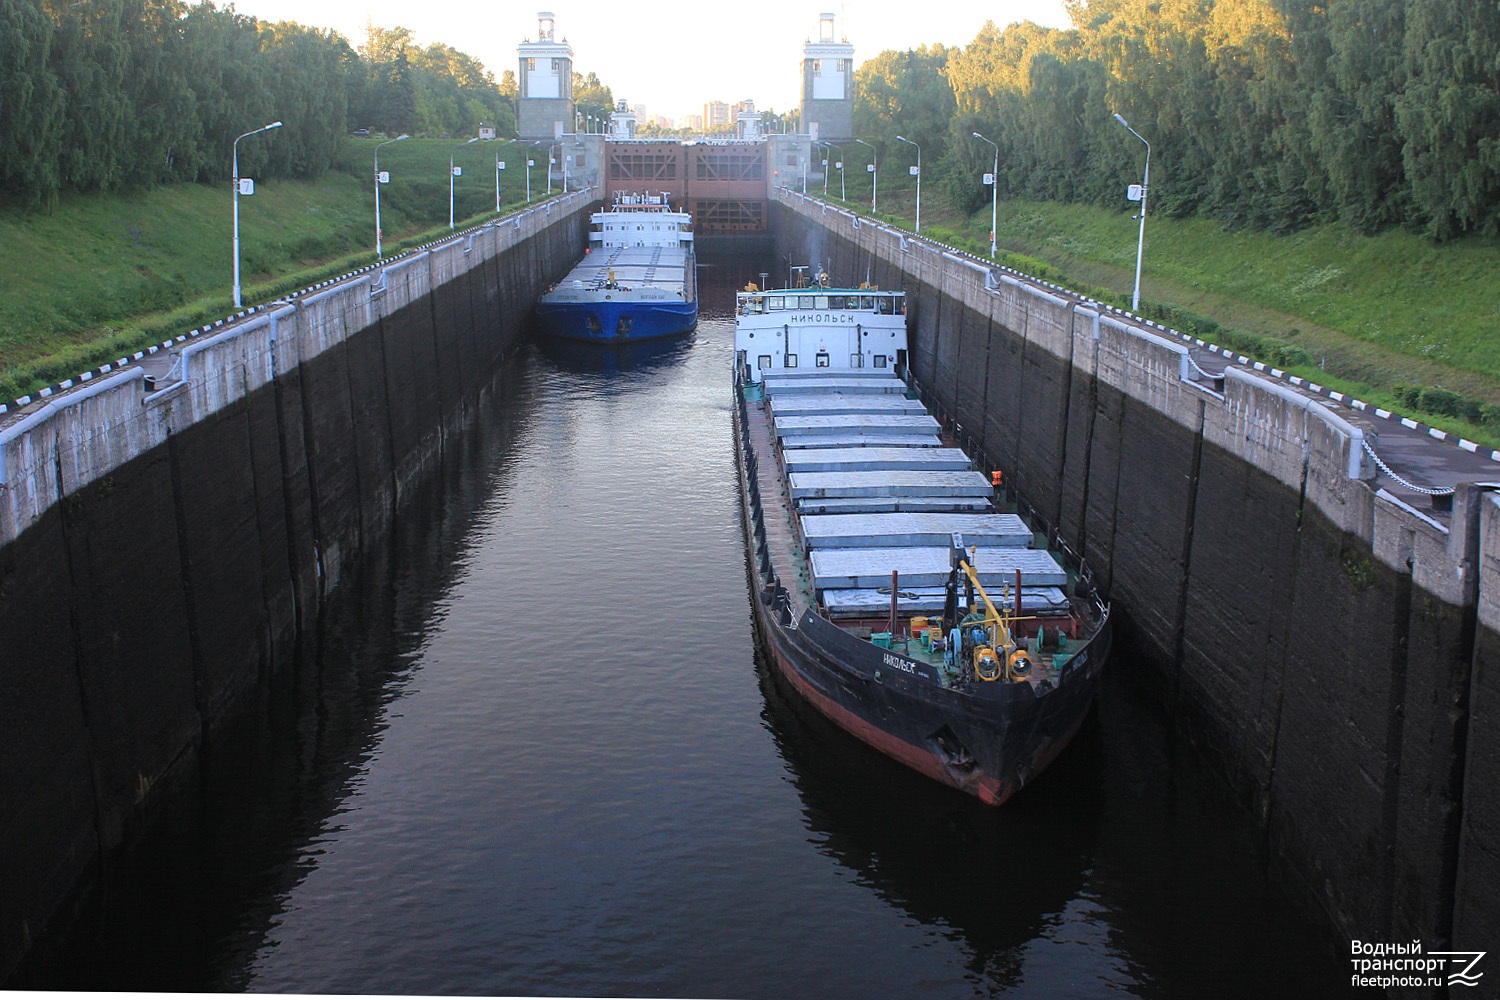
(544, 109)
(827, 86)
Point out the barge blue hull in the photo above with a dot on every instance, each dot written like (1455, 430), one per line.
(616, 322)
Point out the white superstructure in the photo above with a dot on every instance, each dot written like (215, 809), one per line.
(819, 330)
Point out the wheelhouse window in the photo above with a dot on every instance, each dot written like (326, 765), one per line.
(880, 361)
(791, 361)
(775, 304)
(856, 361)
(822, 359)
(763, 362)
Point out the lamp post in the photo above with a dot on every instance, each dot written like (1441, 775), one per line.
(235, 171)
(843, 192)
(551, 161)
(529, 164)
(824, 160)
(453, 172)
(874, 168)
(917, 173)
(378, 182)
(994, 191)
(499, 166)
(1140, 243)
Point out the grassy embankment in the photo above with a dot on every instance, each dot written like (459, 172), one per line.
(1392, 319)
(104, 276)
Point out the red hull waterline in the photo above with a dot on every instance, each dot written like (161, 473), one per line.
(992, 791)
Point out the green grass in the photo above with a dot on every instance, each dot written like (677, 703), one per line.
(106, 275)
(1393, 319)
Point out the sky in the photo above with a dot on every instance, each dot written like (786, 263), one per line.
(671, 55)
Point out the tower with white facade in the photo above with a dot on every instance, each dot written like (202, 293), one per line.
(827, 85)
(544, 109)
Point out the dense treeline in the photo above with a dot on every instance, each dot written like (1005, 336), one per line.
(106, 94)
(1264, 113)
(400, 87)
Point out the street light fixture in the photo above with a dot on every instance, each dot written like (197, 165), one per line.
(499, 166)
(529, 164)
(917, 173)
(840, 164)
(235, 170)
(379, 180)
(453, 172)
(874, 168)
(994, 191)
(1140, 243)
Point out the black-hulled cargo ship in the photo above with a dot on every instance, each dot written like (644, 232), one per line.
(897, 591)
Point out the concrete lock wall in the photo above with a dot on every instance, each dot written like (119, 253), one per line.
(161, 542)
(1325, 644)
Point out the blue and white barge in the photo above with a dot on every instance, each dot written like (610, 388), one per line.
(638, 279)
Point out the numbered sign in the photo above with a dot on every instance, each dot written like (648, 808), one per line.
(912, 171)
(500, 165)
(247, 186)
(458, 171)
(869, 168)
(989, 178)
(1135, 192)
(384, 177)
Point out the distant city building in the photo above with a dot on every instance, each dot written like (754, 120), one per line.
(544, 107)
(827, 86)
(745, 107)
(716, 114)
(693, 123)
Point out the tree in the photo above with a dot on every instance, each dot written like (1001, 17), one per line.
(31, 106)
(1448, 115)
(906, 93)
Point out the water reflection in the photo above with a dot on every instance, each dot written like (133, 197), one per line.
(1125, 867)
(634, 363)
(993, 881)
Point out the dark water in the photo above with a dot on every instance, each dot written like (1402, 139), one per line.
(533, 751)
